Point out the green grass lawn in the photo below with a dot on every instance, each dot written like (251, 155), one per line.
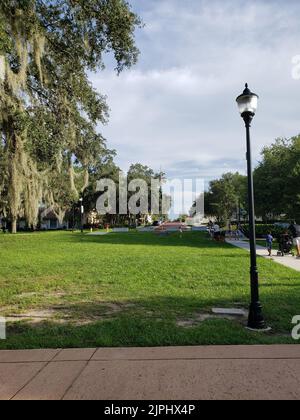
(135, 289)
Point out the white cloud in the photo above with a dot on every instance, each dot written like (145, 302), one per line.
(177, 108)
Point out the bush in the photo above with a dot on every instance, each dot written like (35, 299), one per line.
(262, 230)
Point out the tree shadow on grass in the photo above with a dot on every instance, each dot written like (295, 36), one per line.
(148, 322)
(193, 239)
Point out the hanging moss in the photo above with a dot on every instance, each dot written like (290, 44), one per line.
(2, 68)
(39, 42)
(25, 185)
(44, 60)
(72, 180)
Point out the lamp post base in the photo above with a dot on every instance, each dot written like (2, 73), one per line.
(256, 320)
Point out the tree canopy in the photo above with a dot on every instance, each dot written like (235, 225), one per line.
(276, 185)
(277, 180)
(49, 109)
(225, 196)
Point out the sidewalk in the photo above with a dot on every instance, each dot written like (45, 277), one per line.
(184, 373)
(287, 261)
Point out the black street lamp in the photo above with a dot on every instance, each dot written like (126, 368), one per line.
(247, 103)
(81, 213)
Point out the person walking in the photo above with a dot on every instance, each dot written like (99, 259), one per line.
(180, 231)
(295, 230)
(238, 232)
(217, 232)
(270, 240)
(210, 229)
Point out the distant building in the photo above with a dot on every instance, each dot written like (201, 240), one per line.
(196, 220)
(49, 221)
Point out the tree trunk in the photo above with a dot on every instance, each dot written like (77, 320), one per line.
(13, 188)
(14, 226)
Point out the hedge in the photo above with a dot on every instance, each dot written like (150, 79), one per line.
(263, 230)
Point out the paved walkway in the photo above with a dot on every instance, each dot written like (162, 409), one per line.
(97, 233)
(287, 261)
(184, 373)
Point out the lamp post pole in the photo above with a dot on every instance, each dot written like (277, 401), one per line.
(248, 103)
(256, 320)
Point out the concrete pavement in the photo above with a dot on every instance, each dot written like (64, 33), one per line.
(168, 373)
(288, 261)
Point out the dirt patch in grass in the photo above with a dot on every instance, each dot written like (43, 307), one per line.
(82, 313)
(38, 294)
(27, 295)
(202, 317)
(34, 316)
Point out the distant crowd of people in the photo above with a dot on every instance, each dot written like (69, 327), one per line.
(287, 240)
(218, 234)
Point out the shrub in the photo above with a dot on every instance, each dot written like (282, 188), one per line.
(262, 230)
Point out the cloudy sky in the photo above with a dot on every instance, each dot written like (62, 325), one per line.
(176, 109)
